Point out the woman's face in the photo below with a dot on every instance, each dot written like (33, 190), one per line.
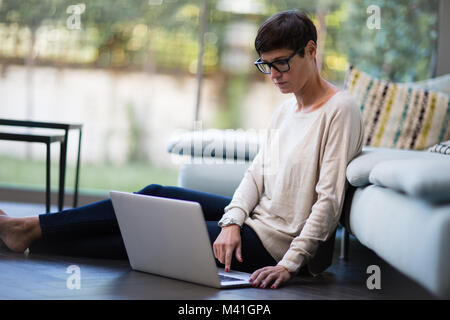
(300, 70)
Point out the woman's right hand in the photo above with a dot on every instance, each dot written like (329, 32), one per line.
(228, 240)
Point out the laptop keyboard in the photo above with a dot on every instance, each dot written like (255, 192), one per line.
(228, 279)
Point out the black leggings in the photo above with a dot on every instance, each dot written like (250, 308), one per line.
(92, 230)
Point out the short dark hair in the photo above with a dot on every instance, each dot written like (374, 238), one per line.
(289, 29)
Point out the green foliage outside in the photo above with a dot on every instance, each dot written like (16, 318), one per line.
(130, 177)
(402, 50)
(133, 34)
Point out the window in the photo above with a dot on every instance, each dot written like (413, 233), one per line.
(127, 71)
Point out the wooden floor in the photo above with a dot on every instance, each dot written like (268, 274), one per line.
(36, 276)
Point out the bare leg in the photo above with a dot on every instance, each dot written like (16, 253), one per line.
(18, 233)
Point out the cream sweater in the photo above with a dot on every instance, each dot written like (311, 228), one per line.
(293, 191)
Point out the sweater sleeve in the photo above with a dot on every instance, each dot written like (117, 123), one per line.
(251, 188)
(342, 142)
(248, 193)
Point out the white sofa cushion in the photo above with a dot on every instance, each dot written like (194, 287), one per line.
(428, 179)
(217, 178)
(218, 144)
(359, 168)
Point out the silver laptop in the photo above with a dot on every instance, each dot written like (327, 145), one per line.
(168, 237)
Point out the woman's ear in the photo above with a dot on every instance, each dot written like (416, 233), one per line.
(311, 49)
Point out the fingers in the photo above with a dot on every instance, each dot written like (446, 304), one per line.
(228, 257)
(239, 252)
(269, 279)
(226, 243)
(224, 253)
(264, 277)
(277, 283)
(216, 251)
(219, 254)
(255, 274)
(258, 276)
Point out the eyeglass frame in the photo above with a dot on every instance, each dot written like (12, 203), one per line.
(270, 64)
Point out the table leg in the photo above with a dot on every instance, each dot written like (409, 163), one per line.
(77, 173)
(62, 171)
(47, 182)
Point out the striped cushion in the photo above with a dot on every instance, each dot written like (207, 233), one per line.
(397, 115)
(442, 147)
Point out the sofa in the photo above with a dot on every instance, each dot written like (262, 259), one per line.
(397, 201)
(398, 205)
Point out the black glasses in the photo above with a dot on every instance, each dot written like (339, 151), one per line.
(281, 65)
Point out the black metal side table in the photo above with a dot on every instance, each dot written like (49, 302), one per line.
(48, 140)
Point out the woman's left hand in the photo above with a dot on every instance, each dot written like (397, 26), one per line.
(270, 275)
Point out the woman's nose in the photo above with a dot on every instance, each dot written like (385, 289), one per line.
(274, 73)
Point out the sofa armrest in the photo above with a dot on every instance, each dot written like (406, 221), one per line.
(358, 170)
(217, 178)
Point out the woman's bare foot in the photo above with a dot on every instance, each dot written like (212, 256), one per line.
(18, 233)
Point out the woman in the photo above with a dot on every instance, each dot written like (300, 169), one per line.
(290, 198)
